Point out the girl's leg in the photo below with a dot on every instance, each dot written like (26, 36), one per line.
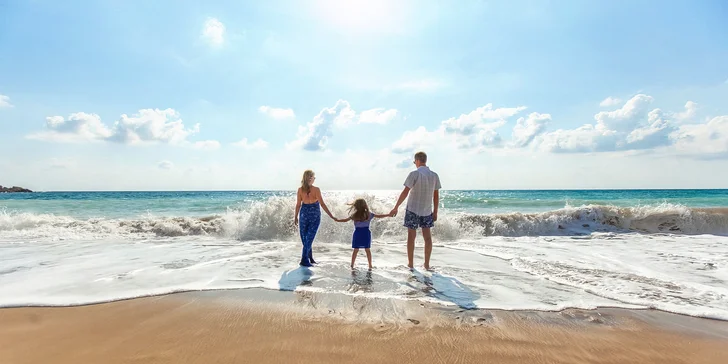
(369, 257)
(353, 257)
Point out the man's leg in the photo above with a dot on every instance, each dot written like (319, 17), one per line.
(411, 234)
(427, 236)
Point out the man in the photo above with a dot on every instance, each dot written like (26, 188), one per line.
(423, 187)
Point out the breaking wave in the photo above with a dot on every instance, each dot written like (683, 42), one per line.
(273, 220)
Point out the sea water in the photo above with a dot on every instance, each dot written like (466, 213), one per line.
(540, 250)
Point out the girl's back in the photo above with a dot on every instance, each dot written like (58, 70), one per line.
(364, 223)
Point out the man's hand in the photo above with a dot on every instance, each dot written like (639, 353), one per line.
(434, 216)
(295, 221)
(393, 213)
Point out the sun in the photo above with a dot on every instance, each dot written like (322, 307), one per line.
(360, 15)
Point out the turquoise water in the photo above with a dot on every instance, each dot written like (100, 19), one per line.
(134, 204)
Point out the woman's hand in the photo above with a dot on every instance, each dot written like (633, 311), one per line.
(295, 221)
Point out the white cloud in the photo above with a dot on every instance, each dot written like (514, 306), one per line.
(610, 101)
(5, 102)
(206, 145)
(475, 130)
(146, 127)
(414, 140)
(152, 125)
(165, 165)
(655, 134)
(277, 113)
(703, 141)
(377, 116)
(78, 127)
(315, 135)
(527, 128)
(406, 163)
(482, 118)
(626, 117)
(633, 126)
(258, 144)
(691, 109)
(584, 139)
(213, 32)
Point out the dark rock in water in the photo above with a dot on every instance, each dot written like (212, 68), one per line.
(584, 225)
(13, 189)
(416, 322)
(561, 227)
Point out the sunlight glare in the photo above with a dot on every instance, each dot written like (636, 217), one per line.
(360, 15)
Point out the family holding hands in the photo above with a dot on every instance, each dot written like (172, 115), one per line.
(421, 186)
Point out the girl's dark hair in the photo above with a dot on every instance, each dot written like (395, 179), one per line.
(359, 210)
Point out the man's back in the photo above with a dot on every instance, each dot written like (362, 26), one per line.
(422, 183)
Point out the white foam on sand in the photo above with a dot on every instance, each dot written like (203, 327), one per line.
(686, 274)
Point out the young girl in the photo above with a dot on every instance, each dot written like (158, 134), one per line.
(362, 237)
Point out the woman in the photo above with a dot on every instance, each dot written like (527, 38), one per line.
(307, 208)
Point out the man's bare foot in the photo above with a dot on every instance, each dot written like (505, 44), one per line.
(427, 267)
(370, 267)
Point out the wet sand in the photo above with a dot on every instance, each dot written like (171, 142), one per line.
(256, 327)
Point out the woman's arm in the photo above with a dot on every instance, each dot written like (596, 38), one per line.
(323, 204)
(298, 206)
(379, 216)
(343, 220)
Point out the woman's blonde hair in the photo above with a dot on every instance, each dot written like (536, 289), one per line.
(306, 181)
(359, 210)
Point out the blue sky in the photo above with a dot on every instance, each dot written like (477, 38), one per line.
(167, 95)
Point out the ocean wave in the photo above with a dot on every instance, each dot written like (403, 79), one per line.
(273, 220)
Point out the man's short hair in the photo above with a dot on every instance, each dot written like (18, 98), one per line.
(421, 156)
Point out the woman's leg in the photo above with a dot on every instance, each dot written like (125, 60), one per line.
(369, 257)
(313, 229)
(303, 229)
(353, 256)
(309, 224)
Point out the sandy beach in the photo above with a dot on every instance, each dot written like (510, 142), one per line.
(227, 327)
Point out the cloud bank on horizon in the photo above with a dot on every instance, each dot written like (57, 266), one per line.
(249, 100)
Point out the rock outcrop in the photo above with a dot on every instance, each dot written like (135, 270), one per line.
(13, 189)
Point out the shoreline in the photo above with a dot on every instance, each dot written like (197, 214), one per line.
(256, 295)
(267, 327)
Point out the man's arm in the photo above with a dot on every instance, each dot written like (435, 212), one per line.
(436, 197)
(402, 197)
(435, 204)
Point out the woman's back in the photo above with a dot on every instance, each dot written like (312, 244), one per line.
(309, 197)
